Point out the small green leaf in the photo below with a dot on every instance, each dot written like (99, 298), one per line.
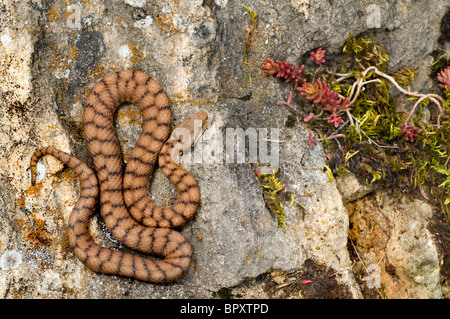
(330, 174)
(349, 155)
(292, 200)
(445, 183)
(250, 12)
(441, 170)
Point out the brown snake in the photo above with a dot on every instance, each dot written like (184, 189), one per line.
(144, 226)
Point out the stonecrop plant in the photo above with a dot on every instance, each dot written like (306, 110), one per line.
(444, 79)
(370, 121)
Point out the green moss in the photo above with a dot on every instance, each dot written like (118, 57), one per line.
(430, 159)
(404, 76)
(273, 196)
(375, 147)
(291, 120)
(385, 153)
(438, 65)
(363, 52)
(250, 34)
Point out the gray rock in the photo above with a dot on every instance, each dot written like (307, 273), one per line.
(350, 188)
(394, 234)
(54, 52)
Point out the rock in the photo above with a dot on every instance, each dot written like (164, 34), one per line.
(393, 235)
(54, 53)
(278, 279)
(350, 188)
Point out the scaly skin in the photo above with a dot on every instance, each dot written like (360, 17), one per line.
(152, 234)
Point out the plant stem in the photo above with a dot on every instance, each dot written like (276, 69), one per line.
(431, 96)
(359, 83)
(331, 137)
(365, 268)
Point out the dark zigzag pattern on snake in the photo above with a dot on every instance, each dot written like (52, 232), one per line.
(144, 226)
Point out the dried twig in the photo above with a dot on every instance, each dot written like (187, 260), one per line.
(432, 97)
(364, 265)
(345, 270)
(359, 83)
(290, 281)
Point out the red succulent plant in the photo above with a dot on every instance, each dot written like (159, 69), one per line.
(284, 70)
(322, 96)
(318, 56)
(410, 131)
(444, 78)
(335, 120)
(270, 67)
(312, 92)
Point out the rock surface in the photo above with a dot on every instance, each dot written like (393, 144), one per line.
(351, 189)
(53, 53)
(394, 231)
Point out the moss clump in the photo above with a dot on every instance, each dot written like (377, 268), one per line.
(385, 158)
(385, 145)
(438, 65)
(362, 52)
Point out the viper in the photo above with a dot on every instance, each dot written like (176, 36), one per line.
(125, 203)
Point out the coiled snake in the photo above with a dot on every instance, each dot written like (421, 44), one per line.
(144, 226)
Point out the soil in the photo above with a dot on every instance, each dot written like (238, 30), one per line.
(322, 284)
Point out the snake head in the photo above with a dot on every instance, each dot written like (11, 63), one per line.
(185, 134)
(189, 131)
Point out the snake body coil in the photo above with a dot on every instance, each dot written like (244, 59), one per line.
(126, 207)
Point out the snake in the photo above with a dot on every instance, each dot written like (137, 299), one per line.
(126, 206)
